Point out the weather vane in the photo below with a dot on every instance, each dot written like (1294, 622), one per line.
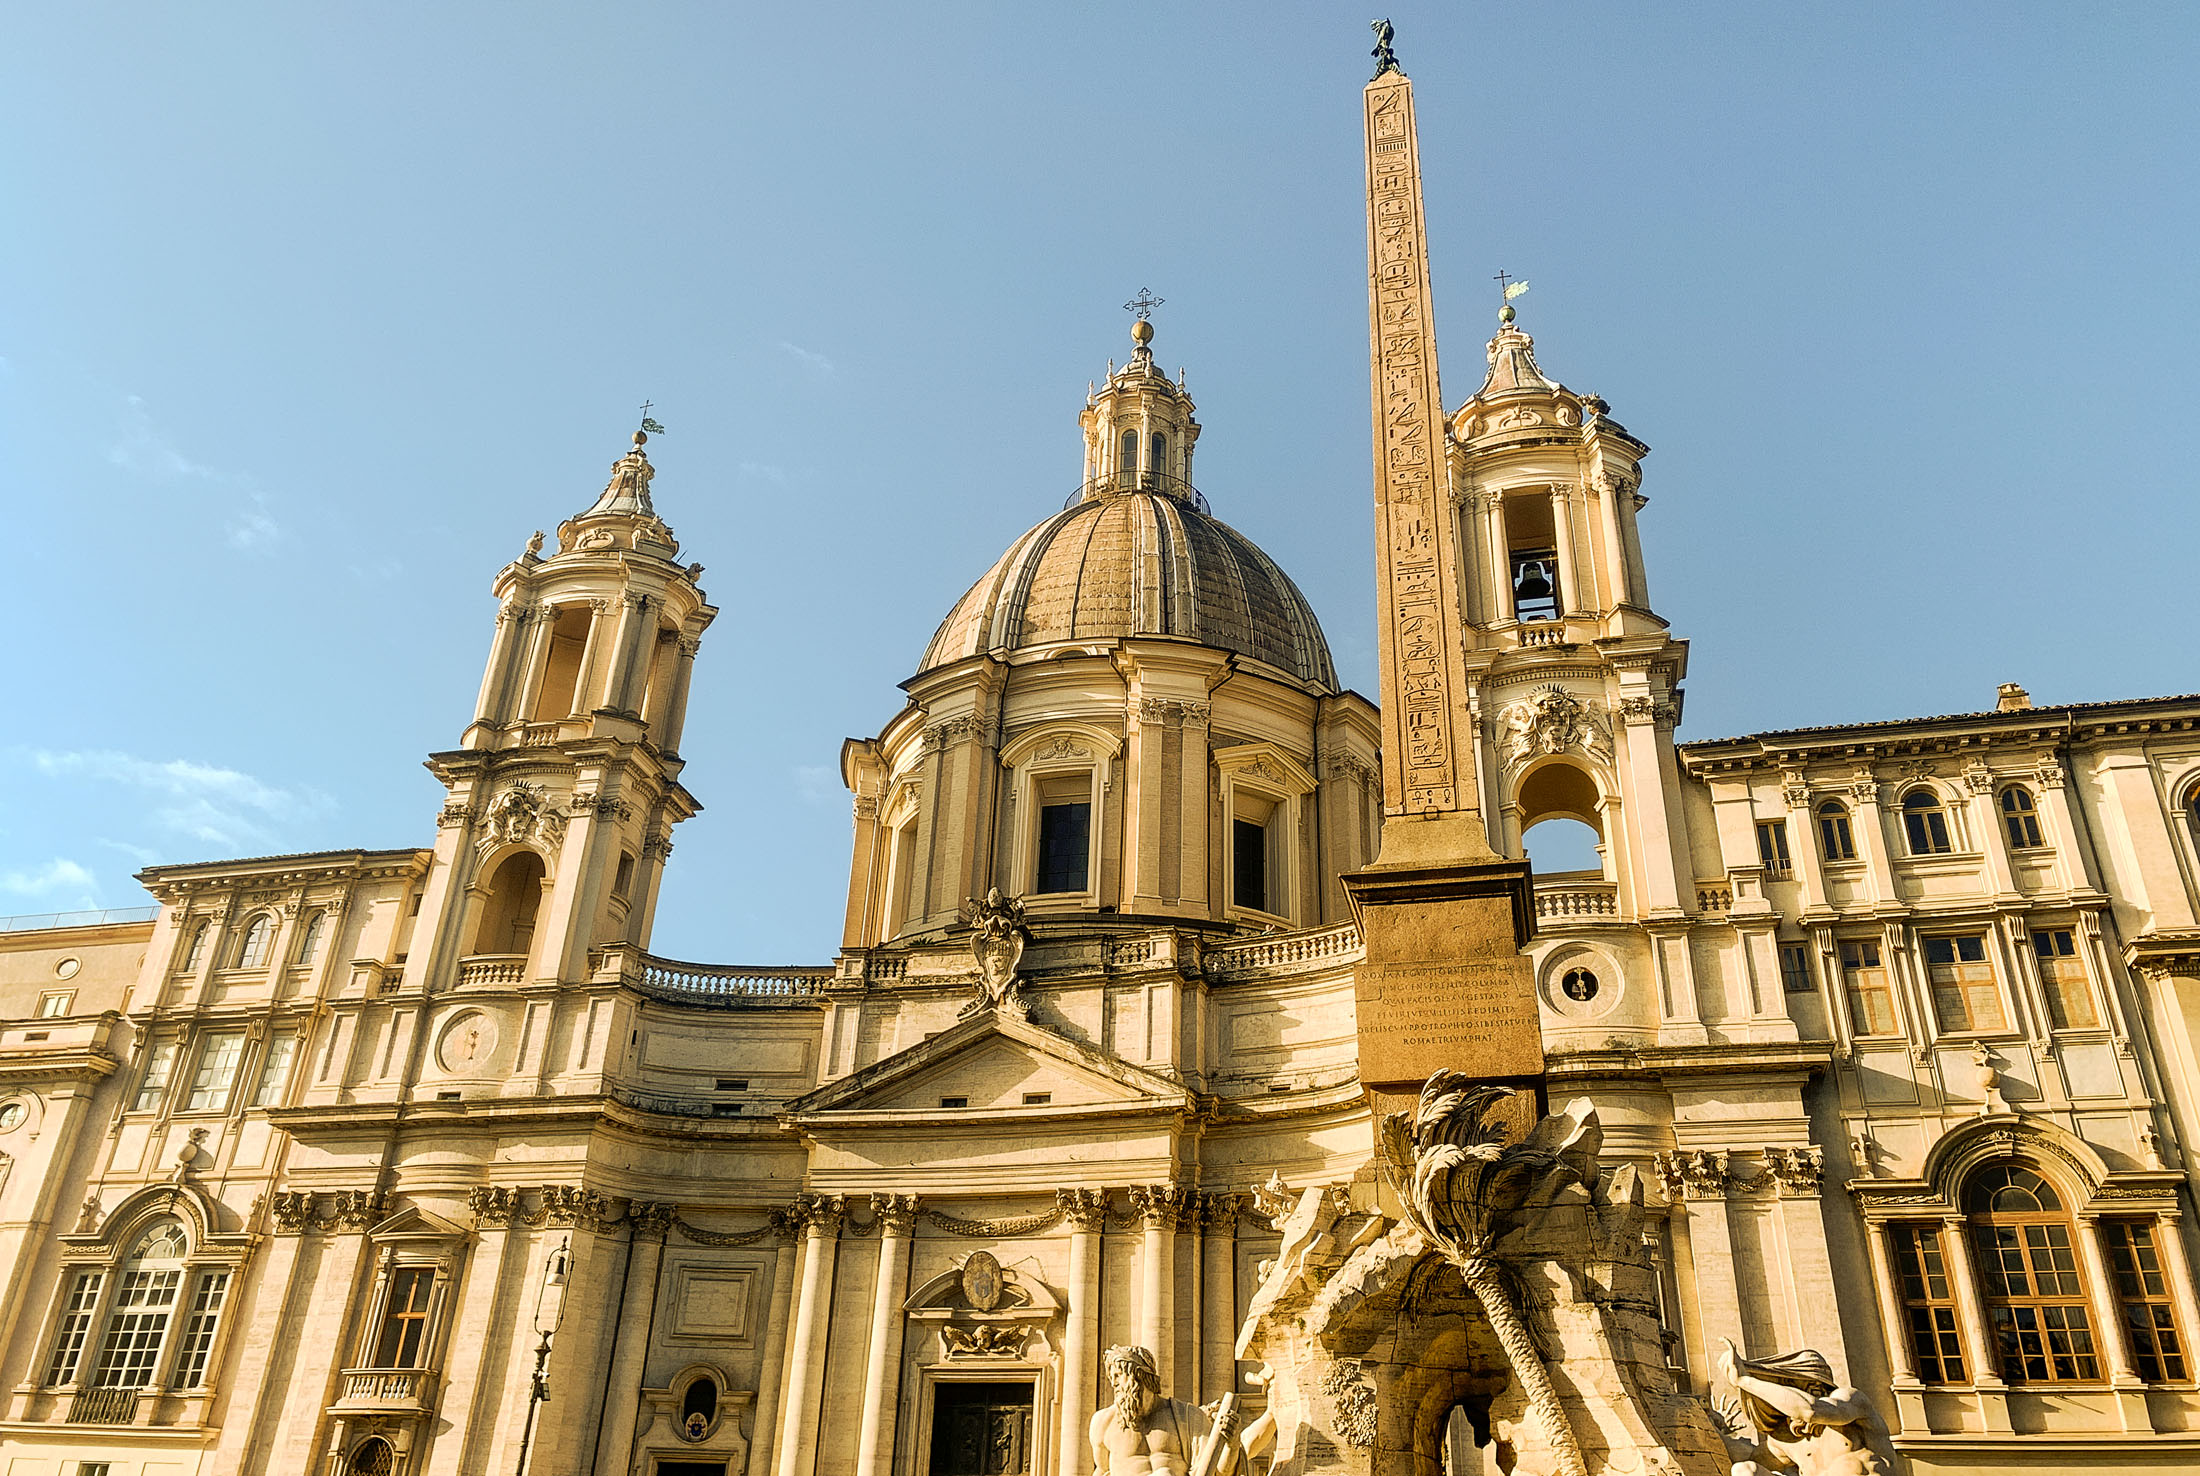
(650, 427)
(1141, 307)
(1508, 288)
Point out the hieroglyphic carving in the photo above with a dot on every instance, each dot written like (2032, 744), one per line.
(1413, 534)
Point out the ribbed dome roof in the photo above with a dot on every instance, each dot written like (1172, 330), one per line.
(1137, 563)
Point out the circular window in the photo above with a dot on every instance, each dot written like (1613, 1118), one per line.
(1579, 985)
(66, 969)
(12, 1115)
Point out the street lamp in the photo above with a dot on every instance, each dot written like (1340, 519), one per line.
(549, 1312)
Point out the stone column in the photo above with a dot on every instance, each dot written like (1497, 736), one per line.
(897, 1218)
(1978, 1344)
(1901, 1357)
(2170, 1226)
(805, 1371)
(535, 659)
(1087, 1210)
(584, 675)
(1796, 1173)
(1158, 1206)
(1194, 803)
(1562, 549)
(2073, 857)
(676, 710)
(1869, 830)
(2125, 1384)
(1501, 576)
(1982, 807)
(764, 1424)
(619, 674)
(487, 707)
(1697, 1179)
(647, 1224)
(323, 1337)
(1218, 1323)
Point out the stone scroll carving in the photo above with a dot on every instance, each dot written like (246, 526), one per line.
(1790, 1415)
(1552, 720)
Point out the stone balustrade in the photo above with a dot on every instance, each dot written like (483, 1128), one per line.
(725, 986)
(1316, 945)
(1576, 901)
(492, 969)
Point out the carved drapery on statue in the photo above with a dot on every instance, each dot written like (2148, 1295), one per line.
(1790, 1414)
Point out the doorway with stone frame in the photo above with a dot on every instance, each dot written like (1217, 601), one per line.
(983, 1429)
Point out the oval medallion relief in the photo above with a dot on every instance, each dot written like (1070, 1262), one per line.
(981, 1281)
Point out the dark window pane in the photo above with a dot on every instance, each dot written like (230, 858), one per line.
(1249, 864)
(1064, 847)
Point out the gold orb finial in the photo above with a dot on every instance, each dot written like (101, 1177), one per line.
(1506, 314)
(1141, 333)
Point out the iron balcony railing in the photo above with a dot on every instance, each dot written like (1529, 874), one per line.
(1115, 484)
(103, 1407)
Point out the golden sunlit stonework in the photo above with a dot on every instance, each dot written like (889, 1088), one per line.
(1875, 1040)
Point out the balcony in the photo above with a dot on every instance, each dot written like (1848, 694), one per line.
(1565, 900)
(103, 1407)
(385, 1391)
(492, 969)
(1115, 484)
(722, 986)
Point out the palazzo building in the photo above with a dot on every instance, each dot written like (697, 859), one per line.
(1899, 1016)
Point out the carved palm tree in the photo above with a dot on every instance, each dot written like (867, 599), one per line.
(1460, 1182)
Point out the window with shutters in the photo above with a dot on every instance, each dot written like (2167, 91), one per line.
(2063, 978)
(1966, 995)
(1870, 994)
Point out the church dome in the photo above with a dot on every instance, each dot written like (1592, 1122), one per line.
(1135, 552)
(1137, 563)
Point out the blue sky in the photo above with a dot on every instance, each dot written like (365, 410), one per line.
(312, 314)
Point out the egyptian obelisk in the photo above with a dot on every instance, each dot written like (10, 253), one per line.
(1443, 916)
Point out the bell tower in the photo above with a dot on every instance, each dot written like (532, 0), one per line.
(1576, 679)
(566, 785)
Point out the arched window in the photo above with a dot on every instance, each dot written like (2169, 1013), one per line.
(1156, 449)
(150, 1293)
(309, 938)
(196, 953)
(1926, 823)
(1836, 842)
(2028, 1263)
(371, 1458)
(2192, 813)
(508, 913)
(2020, 818)
(1127, 463)
(252, 947)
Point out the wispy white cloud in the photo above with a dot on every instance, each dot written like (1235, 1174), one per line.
(251, 528)
(61, 884)
(816, 363)
(142, 855)
(222, 807)
(764, 471)
(817, 783)
(141, 446)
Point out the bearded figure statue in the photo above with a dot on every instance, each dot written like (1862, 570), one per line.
(1790, 1416)
(1146, 1433)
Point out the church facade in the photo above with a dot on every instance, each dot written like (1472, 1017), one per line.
(420, 1161)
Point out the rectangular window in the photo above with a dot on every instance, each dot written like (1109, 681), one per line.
(136, 1328)
(94, 1468)
(1864, 981)
(1065, 847)
(2035, 1304)
(2062, 975)
(76, 1326)
(1249, 864)
(152, 1090)
(1795, 968)
(2142, 1294)
(275, 1070)
(219, 1054)
(198, 1330)
(1772, 849)
(1928, 1305)
(1966, 996)
(56, 1005)
(404, 1318)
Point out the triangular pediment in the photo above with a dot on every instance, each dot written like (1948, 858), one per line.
(992, 1063)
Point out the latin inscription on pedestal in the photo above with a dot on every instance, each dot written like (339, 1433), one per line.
(1445, 988)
